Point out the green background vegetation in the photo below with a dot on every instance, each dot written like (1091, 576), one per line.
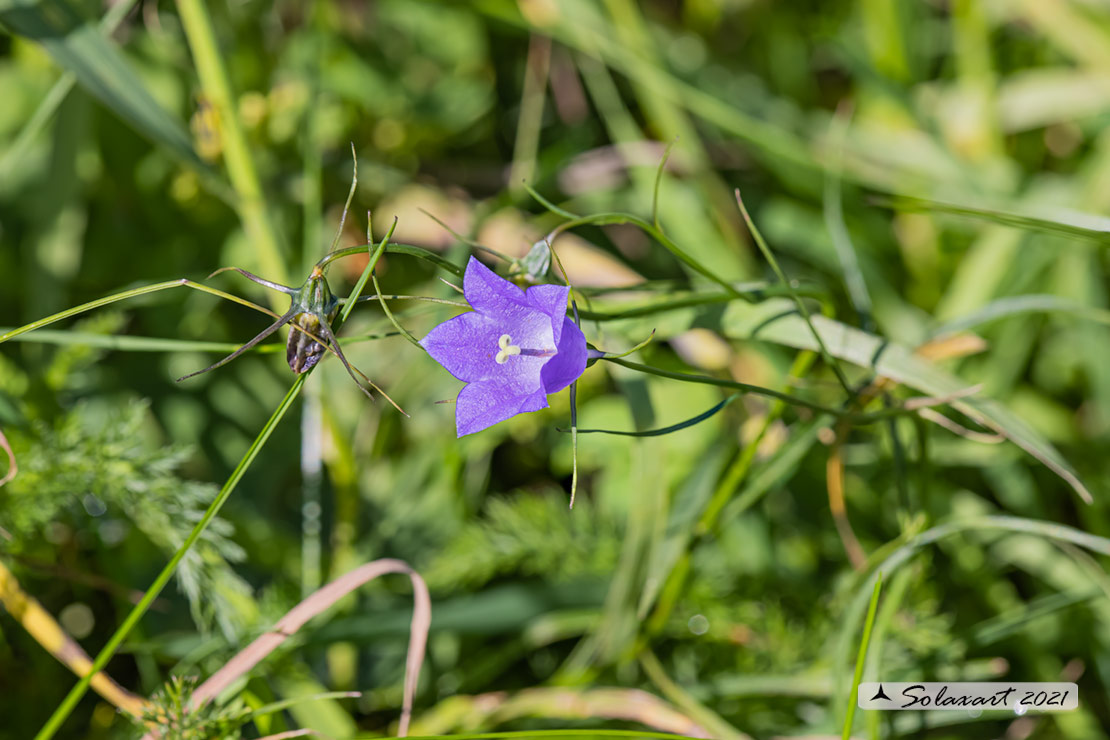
(954, 202)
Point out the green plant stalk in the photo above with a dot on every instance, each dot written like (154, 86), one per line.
(70, 702)
(855, 416)
(861, 658)
(604, 219)
(408, 249)
(770, 257)
(367, 272)
(240, 165)
(134, 292)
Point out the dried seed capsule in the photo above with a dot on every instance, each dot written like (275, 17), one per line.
(302, 352)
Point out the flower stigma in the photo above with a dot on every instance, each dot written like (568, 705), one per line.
(507, 349)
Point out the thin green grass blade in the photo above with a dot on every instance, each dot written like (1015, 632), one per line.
(548, 204)
(658, 182)
(709, 413)
(1022, 304)
(609, 219)
(54, 723)
(1057, 222)
(861, 657)
(773, 261)
(367, 272)
(890, 559)
(135, 292)
(857, 417)
(79, 47)
(408, 249)
(393, 319)
(127, 343)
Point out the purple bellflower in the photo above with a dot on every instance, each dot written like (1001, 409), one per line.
(512, 350)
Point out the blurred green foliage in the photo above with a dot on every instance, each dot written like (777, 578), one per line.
(966, 170)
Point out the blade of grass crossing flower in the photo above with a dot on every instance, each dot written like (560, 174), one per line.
(573, 413)
(770, 257)
(573, 442)
(54, 723)
(861, 657)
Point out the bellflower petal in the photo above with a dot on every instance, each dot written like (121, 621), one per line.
(552, 301)
(458, 345)
(512, 350)
(485, 403)
(569, 361)
(489, 293)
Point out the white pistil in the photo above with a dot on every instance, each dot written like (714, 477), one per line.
(507, 349)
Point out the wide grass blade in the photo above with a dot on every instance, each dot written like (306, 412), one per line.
(79, 47)
(48, 106)
(773, 321)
